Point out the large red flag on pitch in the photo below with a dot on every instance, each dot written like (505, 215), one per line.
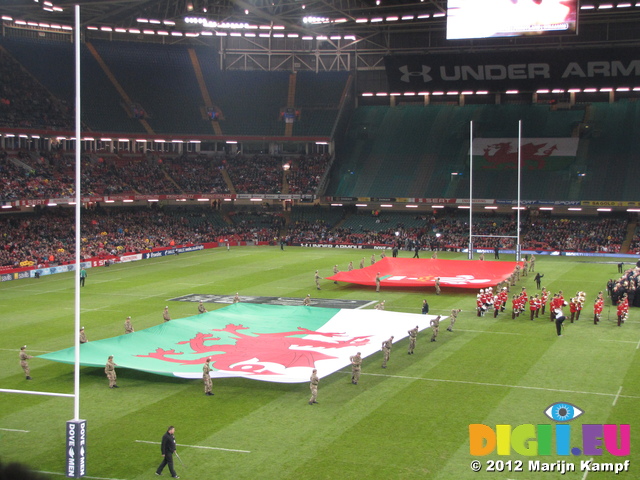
(419, 272)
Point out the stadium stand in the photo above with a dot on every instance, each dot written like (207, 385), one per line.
(318, 96)
(24, 102)
(47, 237)
(408, 150)
(169, 94)
(611, 140)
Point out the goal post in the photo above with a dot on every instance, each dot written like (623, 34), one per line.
(518, 249)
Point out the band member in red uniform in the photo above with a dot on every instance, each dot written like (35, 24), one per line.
(544, 297)
(597, 309)
(533, 305)
(573, 308)
(580, 298)
(553, 304)
(623, 308)
(504, 297)
(515, 305)
(497, 305)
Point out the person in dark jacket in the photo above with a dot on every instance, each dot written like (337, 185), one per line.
(425, 307)
(168, 448)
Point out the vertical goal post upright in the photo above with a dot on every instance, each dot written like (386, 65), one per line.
(519, 170)
(75, 429)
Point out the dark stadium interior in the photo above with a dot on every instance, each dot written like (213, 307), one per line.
(295, 128)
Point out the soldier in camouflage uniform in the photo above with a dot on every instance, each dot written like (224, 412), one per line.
(356, 364)
(435, 326)
(236, 298)
(165, 315)
(378, 282)
(110, 370)
(413, 335)
(307, 300)
(362, 263)
(453, 317)
(23, 362)
(335, 272)
(128, 328)
(380, 306)
(206, 377)
(201, 308)
(317, 279)
(386, 350)
(83, 336)
(313, 385)
(437, 285)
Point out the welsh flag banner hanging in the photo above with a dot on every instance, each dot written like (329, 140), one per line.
(535, 154)
(272, 343)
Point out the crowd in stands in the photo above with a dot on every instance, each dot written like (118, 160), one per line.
(47, 236)
(31, 175)
(26, 103)
(20, 180)
(634, 247)
(199, 174)
(255, 174)
(451, 232)
(305, 173)
(584, 235)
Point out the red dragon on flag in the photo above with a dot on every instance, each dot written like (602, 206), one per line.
(284, 348)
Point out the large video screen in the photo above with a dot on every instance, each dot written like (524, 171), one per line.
(510, 18)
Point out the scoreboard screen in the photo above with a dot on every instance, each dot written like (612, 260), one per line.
(510, 18)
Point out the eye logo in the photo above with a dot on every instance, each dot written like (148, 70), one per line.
(562, 412)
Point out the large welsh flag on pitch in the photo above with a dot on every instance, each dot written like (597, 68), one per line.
(264, 342)
(422, 272)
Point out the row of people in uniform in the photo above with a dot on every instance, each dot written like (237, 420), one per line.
(486, 300)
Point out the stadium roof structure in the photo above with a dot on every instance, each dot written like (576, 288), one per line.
(391, 26)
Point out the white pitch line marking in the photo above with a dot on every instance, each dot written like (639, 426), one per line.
(638, 345)
(32, 392)
(17, 350)
(488, 331)
(618, 341)
(498, 385)
(13, 430)
(198, 446)
(85, 476)
(373, 302)
(617, 395)
(83, 310)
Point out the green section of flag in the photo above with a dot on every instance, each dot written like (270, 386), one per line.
(169, 335)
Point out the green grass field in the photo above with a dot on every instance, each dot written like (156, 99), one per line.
(406, 422)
